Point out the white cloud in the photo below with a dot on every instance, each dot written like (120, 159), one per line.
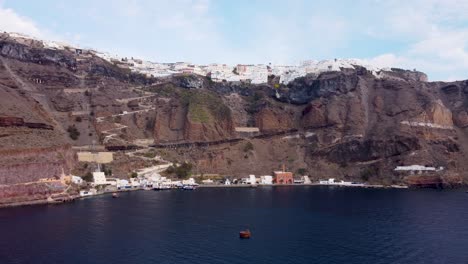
(12, 22)
(436, 33)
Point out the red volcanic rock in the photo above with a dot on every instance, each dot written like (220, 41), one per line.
(434, 181)
(9, 121)
(461, 119)
(6, 121)
(39, 126)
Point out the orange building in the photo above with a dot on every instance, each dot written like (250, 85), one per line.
(283, 177)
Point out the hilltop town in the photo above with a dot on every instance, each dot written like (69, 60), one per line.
(251, 73)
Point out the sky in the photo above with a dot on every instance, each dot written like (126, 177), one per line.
(427, 35)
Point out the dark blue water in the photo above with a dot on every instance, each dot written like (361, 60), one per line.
(288, 224)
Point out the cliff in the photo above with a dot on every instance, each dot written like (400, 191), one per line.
(351, 124)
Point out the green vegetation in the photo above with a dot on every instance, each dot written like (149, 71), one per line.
(150, 154)
(254, 103)
(78, 119)
(107, 171)
(88, 177)
(73, 132)
(301, 171)
(204, 107)
(367, 173)
(182, 171)
(133, 175)
(248, 147)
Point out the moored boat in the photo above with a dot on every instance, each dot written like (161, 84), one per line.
(245, 234)
(115, 195)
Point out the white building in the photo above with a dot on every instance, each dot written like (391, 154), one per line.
(121, 184)
(207, 181)
(76, 180)
(227, 182)
(89, 192)
(111, 181)
(267, 179)
(99, 178)
(418, 168)
(306, 180)
(250, 180)
(332, 181)
(190, 181)
(135, 182)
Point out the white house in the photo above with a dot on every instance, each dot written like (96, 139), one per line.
(76, 180)
(135, 182)
(190, 181)
(123, 184)
(267, 179)
(250, 180)
(89, 192)
(329, 181)
(227, 182)
(207, 181)
(111, 181)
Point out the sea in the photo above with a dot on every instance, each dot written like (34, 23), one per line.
(290, 224)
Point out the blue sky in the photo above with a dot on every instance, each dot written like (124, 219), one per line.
(429, 35)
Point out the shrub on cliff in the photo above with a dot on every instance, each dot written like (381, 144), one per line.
(301, 171)
(182, 171)
(248, 147)
(73, 132)
(367, 173)
(88, 177)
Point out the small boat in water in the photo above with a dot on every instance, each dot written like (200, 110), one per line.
(115, 195)
(245, 234)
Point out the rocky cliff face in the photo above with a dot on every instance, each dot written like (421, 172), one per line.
(350, 124)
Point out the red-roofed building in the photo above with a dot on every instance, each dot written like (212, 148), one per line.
(283, 177)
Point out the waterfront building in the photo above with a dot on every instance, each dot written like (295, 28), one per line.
(111, 181)
(331, 181)
(135, 182)
(99, 178)
(190, 181)
(207, 181)
(267, 179)
(121, 184)
(89, 192)
(249, 180)
(306, 180)
(283, 177)
(76, 180)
